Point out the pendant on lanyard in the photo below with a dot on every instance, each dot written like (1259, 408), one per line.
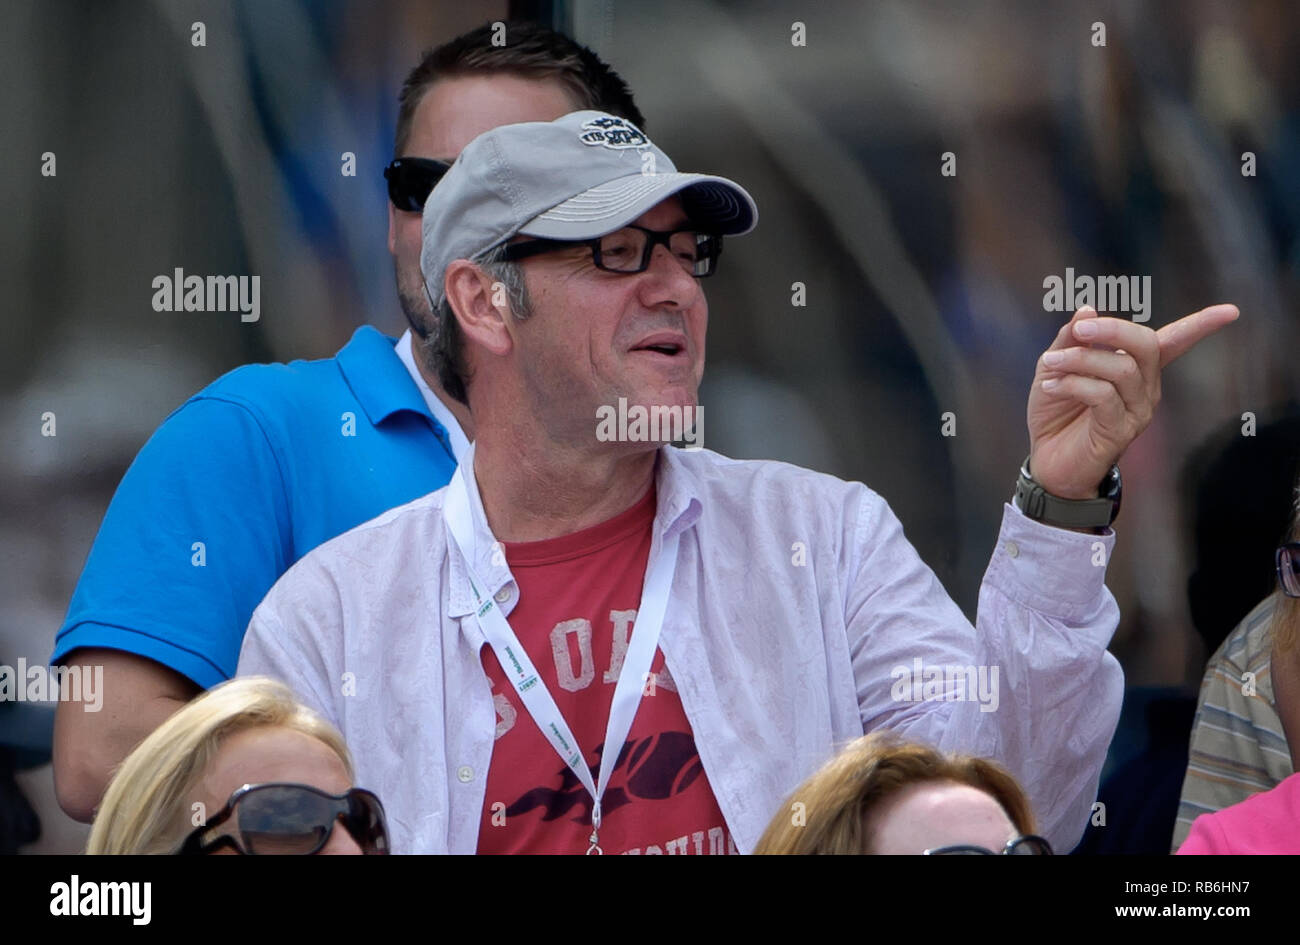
(595, 826)
(528, 683)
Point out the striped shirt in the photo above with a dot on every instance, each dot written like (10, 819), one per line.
(1238, 747)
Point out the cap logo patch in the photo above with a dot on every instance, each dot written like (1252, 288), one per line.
(614, 133)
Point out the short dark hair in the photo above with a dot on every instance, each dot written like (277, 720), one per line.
(531, 50)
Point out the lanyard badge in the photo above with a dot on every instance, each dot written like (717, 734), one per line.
(523, 675)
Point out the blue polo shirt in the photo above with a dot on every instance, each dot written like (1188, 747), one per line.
(241, 481)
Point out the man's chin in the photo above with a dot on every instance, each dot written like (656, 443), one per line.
(665, 398)
(668, 416)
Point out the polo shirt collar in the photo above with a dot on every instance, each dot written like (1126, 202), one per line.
(677, 508)
(378, 378)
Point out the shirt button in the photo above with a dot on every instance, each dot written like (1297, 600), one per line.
(1013, 549)
(465, 774)
(503, 595)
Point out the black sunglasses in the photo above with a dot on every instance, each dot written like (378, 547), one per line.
(1028, 845)
(630, 249)
(411, 180)
(1288, 568)
(293, 819)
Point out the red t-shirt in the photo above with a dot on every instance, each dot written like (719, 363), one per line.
(578, 594)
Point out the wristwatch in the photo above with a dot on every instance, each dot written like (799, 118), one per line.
(1040, 505)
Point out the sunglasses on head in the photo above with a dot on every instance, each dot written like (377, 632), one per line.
(292, 819)
(411, 180)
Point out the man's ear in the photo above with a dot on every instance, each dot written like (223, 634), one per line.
(471, 293)
(392, 228)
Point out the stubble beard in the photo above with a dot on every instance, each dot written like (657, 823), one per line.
(414, 302)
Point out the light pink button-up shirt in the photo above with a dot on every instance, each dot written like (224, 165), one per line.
(799, 618)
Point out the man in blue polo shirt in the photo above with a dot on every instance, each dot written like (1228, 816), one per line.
(270, 461)
(246, 477)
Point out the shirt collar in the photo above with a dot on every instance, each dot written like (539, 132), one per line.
(679, 489)
(677, 508)
(440, 411)
(377, 377)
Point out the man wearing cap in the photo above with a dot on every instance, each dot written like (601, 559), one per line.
(595, 644)
(270, 460)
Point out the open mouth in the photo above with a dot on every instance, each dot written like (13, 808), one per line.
(670, 346)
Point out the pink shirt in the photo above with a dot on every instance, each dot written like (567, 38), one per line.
(799, 617)
(1268, 822)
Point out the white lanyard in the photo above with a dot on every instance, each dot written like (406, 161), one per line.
(528, 682)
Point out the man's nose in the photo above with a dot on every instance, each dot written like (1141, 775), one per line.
(340, 842)
(668, 281)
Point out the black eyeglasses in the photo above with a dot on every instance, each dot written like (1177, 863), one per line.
(411, 180)
(293, 819)
(629, 250)
(1028, 845)
(1288, 568)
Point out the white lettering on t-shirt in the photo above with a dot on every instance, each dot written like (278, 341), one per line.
(621, 623)
(720, 843)
(716, 835)
(622, 620)
(560, 649)
(506, 713)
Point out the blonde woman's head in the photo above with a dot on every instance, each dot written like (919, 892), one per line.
(245, 731)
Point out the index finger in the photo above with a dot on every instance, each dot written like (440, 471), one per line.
(1177, 338)
(1065, 337)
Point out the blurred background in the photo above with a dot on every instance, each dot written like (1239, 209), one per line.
(924, 292)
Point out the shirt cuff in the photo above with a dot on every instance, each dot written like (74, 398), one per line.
(1055, 571)
(194, 666)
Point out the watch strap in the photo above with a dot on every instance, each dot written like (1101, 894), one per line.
(1038, 504)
